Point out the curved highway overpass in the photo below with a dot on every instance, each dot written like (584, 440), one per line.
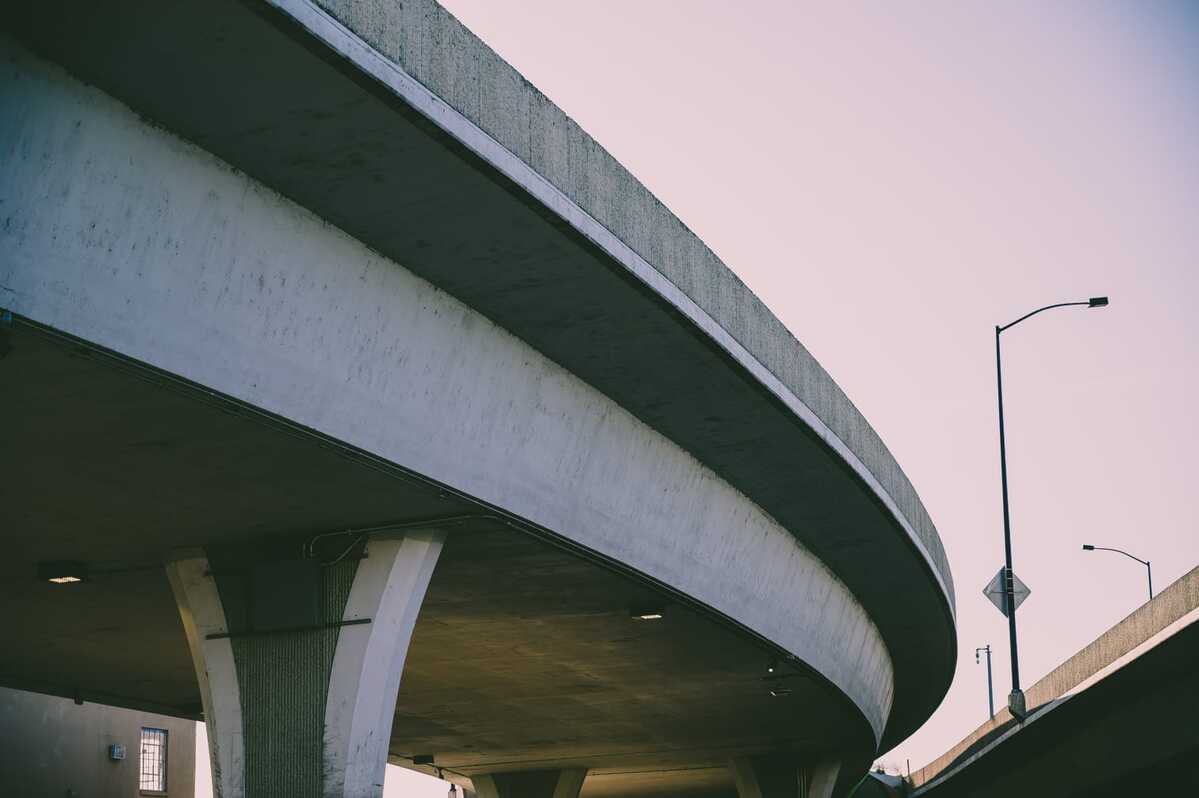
(330, 336)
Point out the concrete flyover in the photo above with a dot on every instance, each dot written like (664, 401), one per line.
(1117, 718)
(324, 313)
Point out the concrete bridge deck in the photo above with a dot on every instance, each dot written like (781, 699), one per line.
(1117, 718)
(371, 277)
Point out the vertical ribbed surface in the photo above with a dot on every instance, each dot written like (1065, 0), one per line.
(284, 681)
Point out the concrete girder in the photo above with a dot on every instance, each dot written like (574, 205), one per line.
(299, 663)
(784, 775)
(564, 783)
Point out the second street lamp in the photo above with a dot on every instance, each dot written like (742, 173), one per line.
(1148, 567)
(1016, 697)
(990, 693)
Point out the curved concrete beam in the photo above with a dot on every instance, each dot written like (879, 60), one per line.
(481, 103)
(343, 40)
(125, 236)
(395, 123)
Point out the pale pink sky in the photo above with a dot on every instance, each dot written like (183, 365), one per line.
(893, 182)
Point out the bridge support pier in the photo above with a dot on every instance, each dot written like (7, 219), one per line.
(783, 775)
(564, 783)
(299, 660)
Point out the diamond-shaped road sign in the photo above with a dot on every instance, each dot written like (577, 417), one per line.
(998, 595)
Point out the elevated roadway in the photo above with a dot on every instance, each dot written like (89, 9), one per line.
(400, 373)
(1117, 718)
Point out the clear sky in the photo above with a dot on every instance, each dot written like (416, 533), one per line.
(893, 182)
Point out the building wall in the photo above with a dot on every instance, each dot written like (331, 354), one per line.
(51, 746)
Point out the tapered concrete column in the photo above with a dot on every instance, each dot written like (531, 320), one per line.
(564, 783)
(783, 775)
(821, 778)
(299, 661)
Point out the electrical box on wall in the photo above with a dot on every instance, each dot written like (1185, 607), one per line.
(116, 752)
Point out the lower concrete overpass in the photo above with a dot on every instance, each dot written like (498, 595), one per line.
(1116, 719)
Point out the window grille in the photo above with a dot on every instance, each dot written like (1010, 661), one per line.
(154, 760)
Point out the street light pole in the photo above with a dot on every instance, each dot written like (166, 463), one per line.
(1148, 567)
(990, 692)
(1016, 697)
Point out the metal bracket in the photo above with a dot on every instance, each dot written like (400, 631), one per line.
(286, 630)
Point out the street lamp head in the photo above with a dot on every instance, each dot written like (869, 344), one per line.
(1087, 547)
(1097, 302)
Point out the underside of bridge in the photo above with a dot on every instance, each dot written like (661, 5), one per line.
(524, 655)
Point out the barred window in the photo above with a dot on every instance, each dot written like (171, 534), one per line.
(154, 760)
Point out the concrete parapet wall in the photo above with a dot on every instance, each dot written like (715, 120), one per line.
(1143, 623)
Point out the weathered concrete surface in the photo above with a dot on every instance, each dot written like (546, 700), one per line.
(428, 43)
(128, 237)
(434, 48)
(602, 199)
(1174, 605)
(302, 103)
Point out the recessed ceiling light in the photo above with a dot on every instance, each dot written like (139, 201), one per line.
(647, 613)
(62, 572)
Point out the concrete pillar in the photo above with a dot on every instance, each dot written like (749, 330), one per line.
(299, 661)
(564, 783)
(783, 775)
(821, 778)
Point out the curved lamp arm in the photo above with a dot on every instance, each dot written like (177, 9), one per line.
(1089, 547)
(1093, 302)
